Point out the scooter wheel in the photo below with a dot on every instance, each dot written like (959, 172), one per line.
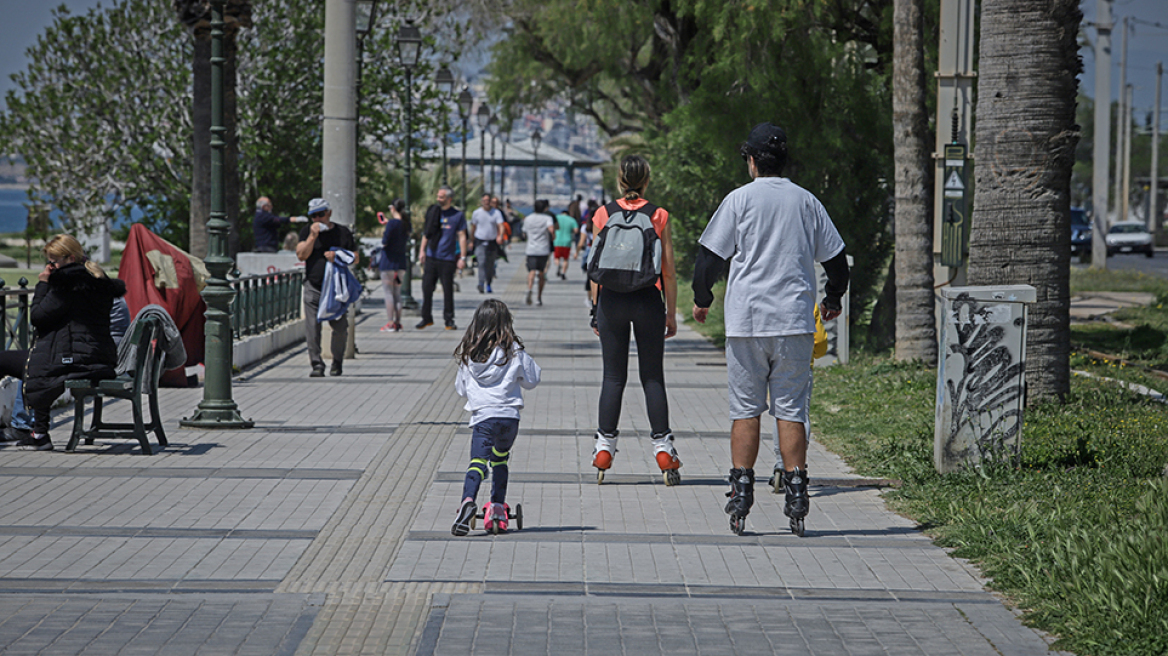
(519, 516)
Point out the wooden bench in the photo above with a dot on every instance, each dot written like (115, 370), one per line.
(143, 380)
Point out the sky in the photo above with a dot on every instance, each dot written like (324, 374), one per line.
(1146, 45)
(26, 19)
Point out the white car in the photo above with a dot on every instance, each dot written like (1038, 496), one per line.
(1129, 237)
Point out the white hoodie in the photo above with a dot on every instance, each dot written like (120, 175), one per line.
(493, 391)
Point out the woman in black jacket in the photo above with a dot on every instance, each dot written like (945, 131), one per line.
(70, 313)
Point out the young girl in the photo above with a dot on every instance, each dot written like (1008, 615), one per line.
(492, 374)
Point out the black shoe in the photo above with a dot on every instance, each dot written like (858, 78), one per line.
(466, 513)
(13, 434)
(336, 369)
(424, 323)
(450, 326)
(480, 288)
(317, 372)
(34, 443)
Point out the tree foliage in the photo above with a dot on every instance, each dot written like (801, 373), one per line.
(98, 114)
(102, 115)
(693, 76)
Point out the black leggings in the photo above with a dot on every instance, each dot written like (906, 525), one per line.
(644, 312)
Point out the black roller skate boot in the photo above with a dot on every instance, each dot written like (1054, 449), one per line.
(741, 498)
(798, 502)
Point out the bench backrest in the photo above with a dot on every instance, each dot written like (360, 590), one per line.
(146, 333)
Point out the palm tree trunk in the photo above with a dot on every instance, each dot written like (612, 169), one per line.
(1026, 137)
(916, 328)
(201, 147)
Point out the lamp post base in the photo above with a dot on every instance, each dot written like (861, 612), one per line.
(217, 415)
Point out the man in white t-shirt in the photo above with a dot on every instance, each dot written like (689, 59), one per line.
(486, 224)
(772, 231)
(539, 228)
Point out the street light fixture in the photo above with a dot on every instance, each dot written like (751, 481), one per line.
(536, 139)
(409, 48)
(366, 15)
(465, 102)
(482, 117)
(493, 128)
(445, 78)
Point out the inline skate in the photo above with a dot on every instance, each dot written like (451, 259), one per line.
(667, 459)
(798, 502)
(602, 453)
(741, 498)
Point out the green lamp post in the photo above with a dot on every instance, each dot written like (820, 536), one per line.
(409, 48)
(217, 410)
(445, 78)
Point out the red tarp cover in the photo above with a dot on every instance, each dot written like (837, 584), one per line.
(176, 290)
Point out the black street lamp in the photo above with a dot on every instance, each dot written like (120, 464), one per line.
(536, 139)
(217, 409)
(493, 128)
(445, 78)
(465, 102)
(505, 136)
(409, 48)
(482, 117)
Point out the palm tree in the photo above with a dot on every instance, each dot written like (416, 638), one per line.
(1026, 136)
(196, 16)
(916, 331)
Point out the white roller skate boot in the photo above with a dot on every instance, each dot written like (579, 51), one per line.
(667, 458)
(602, 454)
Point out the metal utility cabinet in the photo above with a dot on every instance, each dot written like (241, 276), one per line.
(981, 386)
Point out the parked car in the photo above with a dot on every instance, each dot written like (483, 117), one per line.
(1129, 237)
(1080, 235)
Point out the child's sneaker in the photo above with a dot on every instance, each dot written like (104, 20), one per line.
(466, 513)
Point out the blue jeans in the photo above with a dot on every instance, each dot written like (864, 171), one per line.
(490, 444)
(20, 417)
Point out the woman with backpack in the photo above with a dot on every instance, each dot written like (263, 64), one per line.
(634, 291)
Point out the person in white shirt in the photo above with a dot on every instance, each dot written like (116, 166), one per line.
(772, 231)
(540, 227)
(486, 224)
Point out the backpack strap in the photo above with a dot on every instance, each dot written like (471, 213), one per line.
(614, 209)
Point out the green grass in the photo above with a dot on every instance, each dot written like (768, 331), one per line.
(1076, 536)
(1097, 280)
(714, 328)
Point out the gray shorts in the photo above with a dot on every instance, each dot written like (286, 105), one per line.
(778, 365)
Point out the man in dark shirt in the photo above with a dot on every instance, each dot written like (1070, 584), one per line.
(267, 226)
(442, 251)
(316, 241)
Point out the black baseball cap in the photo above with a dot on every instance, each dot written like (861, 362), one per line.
(767, 138)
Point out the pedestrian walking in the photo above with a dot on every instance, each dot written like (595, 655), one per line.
(441, 253)
(566, 228)
(487, 223)
(627, 297)
(539, 228)
(772, 231)
(493, 371)
(317, 239)
(393, 262)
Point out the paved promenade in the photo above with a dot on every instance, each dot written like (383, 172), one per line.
(326, 529)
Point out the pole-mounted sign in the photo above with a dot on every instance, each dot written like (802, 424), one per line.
(954, 214)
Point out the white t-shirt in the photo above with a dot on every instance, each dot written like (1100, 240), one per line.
(486, 223)
(772, 231)
(539, 240)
